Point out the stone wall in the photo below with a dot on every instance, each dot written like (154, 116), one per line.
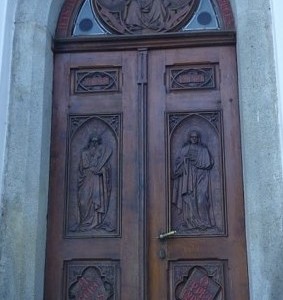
(7, 14)
(24, 194)
(25, 189)
(261, 147)
(277, 22)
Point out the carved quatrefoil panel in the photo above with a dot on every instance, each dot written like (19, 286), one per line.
(197, 280)
(87, 280)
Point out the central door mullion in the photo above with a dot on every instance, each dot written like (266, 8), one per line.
(142, 80)
(156, 206)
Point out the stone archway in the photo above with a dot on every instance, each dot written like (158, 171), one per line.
(24, 198)
(26, 173)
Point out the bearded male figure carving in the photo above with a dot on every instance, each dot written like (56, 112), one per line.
(191, 184)
(94, 184)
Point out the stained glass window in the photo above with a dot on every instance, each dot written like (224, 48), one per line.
(205, 17)
(87, 22)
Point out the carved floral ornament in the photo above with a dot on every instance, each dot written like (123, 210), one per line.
(144, 16)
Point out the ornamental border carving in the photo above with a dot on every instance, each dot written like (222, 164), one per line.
(96, 80)
(191, 77)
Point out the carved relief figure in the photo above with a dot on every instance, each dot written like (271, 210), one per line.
(94, 184)
(191, 184)
(145, 14)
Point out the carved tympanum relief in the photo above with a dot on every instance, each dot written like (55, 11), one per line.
(92, 280)
(196, 183)
(197, 280)
(144, 16)
(93, 194)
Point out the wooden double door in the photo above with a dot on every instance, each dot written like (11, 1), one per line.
(146, 197)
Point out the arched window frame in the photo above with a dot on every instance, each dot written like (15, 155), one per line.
(71, 9)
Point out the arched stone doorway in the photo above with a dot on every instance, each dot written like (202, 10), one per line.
(24, 201)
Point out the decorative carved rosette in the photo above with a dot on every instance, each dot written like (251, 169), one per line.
(144, 16)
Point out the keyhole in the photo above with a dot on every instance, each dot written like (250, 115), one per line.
(162, 253)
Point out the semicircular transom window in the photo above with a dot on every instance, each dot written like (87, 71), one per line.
(104, 17)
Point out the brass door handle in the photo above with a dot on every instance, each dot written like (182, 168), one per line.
(163, 236)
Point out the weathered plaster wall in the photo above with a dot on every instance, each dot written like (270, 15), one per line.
(276, 10)
(7, 14)
(27, 159)
(27, 155)
(261, 148)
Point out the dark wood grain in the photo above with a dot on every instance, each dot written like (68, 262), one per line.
(153, 41)
(125, 150)
(199, 236)
(84, 178)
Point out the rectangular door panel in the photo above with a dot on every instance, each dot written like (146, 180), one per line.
(194, 171)
(94, 182)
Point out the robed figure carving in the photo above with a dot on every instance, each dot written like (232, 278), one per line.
(94, 185)
(191, 184)
(145, 14)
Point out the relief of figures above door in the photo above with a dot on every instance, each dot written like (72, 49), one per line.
(99, 17)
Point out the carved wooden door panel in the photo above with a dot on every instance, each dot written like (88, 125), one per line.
(194, 177)
(93, 234)
(145, 188)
